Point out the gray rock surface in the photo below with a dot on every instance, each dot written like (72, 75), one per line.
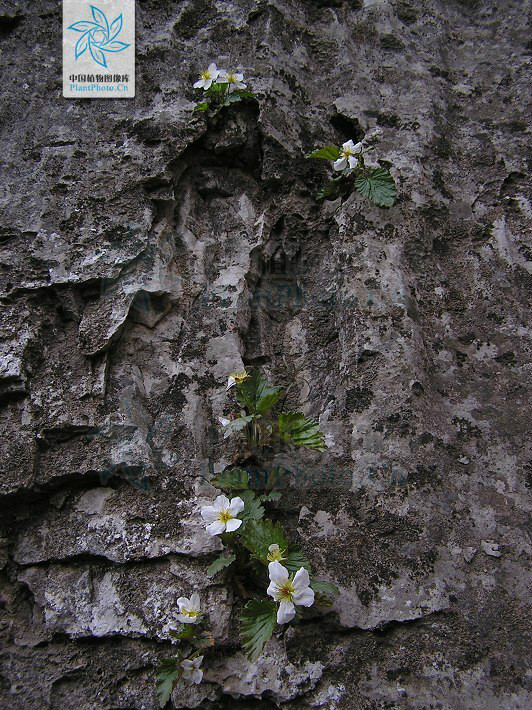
(146, 252)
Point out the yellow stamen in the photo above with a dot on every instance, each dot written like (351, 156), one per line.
(285, 592)
(225, 516)
(206, 75)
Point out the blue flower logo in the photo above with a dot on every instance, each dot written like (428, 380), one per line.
(99, 36)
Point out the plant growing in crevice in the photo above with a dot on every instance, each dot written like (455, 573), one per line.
(221, 88)
(357, 168)
(256, 420)
(271, 574)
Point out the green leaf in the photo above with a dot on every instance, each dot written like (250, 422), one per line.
(253, 509)
(297, 429)
(203, 106)
(258, 535)
(325, 592)
(257, 624)
(187, 632)
(328, 152)
(245, 93)
(378, 186)
(232, 99)
(215, 88)
(219, 564)
(232, 479)
(236, 425)
(295, 559)
(271, 497)
(256, 394)
(203, 640)
(167, 674)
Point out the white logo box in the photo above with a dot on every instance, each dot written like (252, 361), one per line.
(99, 49)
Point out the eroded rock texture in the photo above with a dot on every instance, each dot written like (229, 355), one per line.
(145, 253)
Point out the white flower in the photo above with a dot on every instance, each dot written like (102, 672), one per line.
(191, 669)
(207, 77)
(348, 156)
(236, 378)
(223, 421)
(233, 79)
(221, 515)
(289, 592)
(189, 609)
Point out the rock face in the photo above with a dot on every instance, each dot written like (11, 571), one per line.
(147, 252)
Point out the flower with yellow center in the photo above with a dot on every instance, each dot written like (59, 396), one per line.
(289, 592)
(221, 515)
(189, 609)
(233, 79)
(236, 378)
(207, 77)
(275, 554)
(348, 156)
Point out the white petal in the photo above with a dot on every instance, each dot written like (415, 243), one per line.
(286, 612)
(195, 604)
(222, 76)
(207, 84)
(240, 85)
(209, 513)
(349, 145)
(238, 77)
(233, 525)
(187, 619)
(301, 579)
(197, 661)
(223, 421)
(199, 84)
(221, 503)
(340, 164)
(273, 548)
(231, 382)
(358, 147)
(277, 572)
(236, 506)
(197, 675)
(216, 528)
(353, 162)
(272, 590)
(212, 67)
(183, 602)
(303, 597)
(187, 664)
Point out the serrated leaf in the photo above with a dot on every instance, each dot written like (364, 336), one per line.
(203, 640)
(253, 509)
(295, 559)
(167, 674)
(256, 394)
(297, 429)
(237, 425)
(258, 535)
(271, 497)
(378, 186)
(219, 564)
(232, 479)
(202, 106)
(325, 592)
(328, 152)
(257, 624)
